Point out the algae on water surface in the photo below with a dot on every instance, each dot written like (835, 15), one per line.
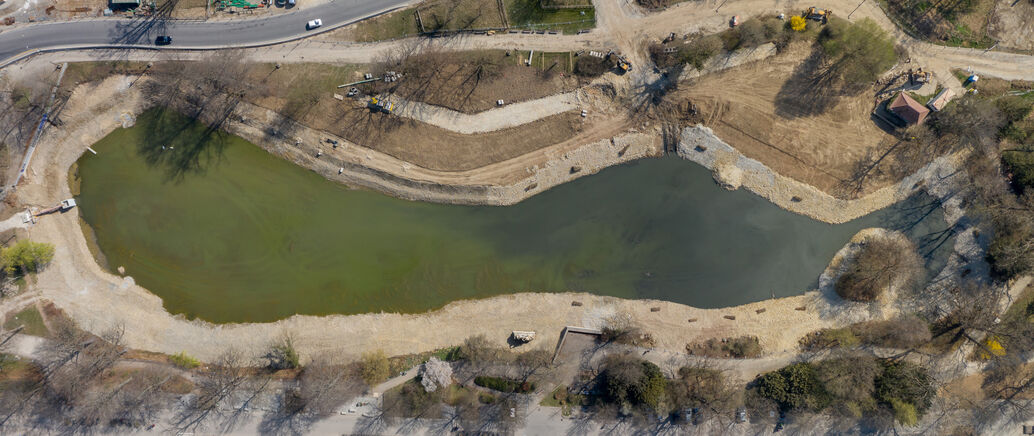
(224, 231)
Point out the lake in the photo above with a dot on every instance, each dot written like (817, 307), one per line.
(223, 231)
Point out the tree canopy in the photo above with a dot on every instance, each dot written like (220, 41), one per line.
(26, 256)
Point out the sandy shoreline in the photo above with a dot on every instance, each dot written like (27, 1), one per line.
(99, 300)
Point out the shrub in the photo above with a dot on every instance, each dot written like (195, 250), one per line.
(752, 34)
(590, 66)
(879, 263)
(849, 379)
(744, 347)
(829, 338)
(992, 348)
(1008, 253)
(907, 382)
(626, 335)
(904, 413)
(411, 400)
(26, 256)
(486, 398)
(793, 387)
(373, 367)
(798, 24)
(699, 51)
(504, 385)
(628, 381)
(903, 332)
(701, 387)
(184, 361)
(1014, 107)
(282, 355)
(477, 349)
(1020, 163)
(971, 118)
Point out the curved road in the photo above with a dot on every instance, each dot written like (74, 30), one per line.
(188, 34)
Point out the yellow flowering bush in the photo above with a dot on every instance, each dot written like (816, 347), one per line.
(798, 24)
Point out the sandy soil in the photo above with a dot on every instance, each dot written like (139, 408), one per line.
(774, 120)
(1012, 24)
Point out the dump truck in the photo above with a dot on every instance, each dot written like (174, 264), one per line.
(817, 14)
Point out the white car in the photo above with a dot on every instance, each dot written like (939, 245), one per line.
(312, 24)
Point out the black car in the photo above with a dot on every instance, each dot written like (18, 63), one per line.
(163, 40)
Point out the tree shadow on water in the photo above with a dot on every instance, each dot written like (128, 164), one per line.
(920, 218)
(179, 145)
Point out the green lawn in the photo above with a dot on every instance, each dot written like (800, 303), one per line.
(924, 99)
(398, 24)
(448, 15)
(31, 319)
(528, 14)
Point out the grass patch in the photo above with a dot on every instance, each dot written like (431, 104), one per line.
(454, 394)
(529, 14)
(184, 361)
(13, 367)
(743, 347)
(17, 373)
(924, 99)
(31, 319)
(84, 72)
(960, 24)
(397, 24)
(504, 385)
(397, 364)
(562, 398)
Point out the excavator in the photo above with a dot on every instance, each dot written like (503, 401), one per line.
(621, 61)
(817, 14)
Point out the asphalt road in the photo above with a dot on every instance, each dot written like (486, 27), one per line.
(188, 34)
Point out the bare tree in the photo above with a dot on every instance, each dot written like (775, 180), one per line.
(217, 388)
(881, 262)
(320, 390)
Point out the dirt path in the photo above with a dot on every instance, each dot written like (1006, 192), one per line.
(511, 115)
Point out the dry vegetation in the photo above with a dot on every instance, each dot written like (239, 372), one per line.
(881, 264)
(469, 82)
(959, 23)
(472, 81)
(305, 93)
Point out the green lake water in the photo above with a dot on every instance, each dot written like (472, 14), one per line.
(223, 231)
